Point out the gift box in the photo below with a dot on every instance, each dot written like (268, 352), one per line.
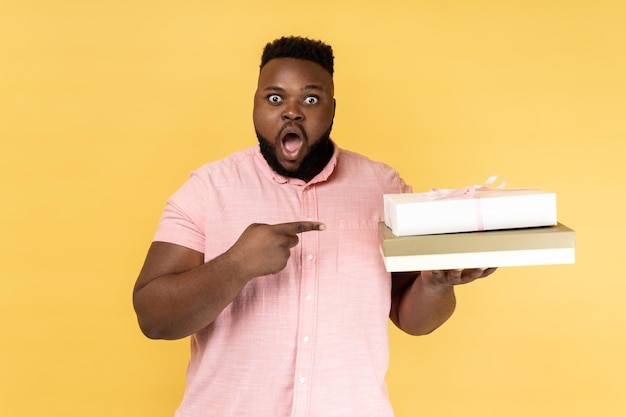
(497, 248)
(454, 211)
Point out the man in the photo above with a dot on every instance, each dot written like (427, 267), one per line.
(269, 260)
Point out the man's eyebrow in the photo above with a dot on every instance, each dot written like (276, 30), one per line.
(312, 87)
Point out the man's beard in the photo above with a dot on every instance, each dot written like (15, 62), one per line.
(312, 164)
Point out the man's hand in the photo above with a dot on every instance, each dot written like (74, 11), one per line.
(423, 301)
(452, 277)
(264, 249)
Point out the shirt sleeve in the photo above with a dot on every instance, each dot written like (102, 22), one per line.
(184, 216)
(404, 187)
(392, 182)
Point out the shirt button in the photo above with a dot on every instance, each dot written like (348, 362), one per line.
(308, 298)
(302, 380)
(309, 257)
(306, 339)
(309, 219)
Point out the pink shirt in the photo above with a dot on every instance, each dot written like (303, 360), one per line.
(311, 340)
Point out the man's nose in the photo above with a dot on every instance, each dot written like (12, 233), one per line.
(292, 111)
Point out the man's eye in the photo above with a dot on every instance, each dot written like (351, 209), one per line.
(275, 99)
(311, 100)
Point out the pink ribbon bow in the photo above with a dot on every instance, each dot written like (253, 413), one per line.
(469, 192)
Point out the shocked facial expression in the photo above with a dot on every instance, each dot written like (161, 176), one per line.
(294, 108)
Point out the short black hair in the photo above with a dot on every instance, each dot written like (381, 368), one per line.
(300, 48)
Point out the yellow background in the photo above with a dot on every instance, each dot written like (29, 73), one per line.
(106, 106)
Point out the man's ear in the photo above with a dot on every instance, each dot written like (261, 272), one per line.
(334, 107)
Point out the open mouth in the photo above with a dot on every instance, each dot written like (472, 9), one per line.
(291, 142)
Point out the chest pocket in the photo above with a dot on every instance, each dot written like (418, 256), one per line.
(358, 249)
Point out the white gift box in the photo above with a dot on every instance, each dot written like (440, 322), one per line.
(432, 213)
(497, 248)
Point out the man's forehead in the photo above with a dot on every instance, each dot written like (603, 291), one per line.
(308, 87)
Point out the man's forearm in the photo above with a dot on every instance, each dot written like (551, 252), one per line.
(176, 305)
(424, 308)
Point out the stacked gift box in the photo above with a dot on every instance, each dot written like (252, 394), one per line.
(473, 227)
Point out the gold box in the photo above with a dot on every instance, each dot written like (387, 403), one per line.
(494, 248)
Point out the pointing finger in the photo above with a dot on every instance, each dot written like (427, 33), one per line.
(294, 228)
